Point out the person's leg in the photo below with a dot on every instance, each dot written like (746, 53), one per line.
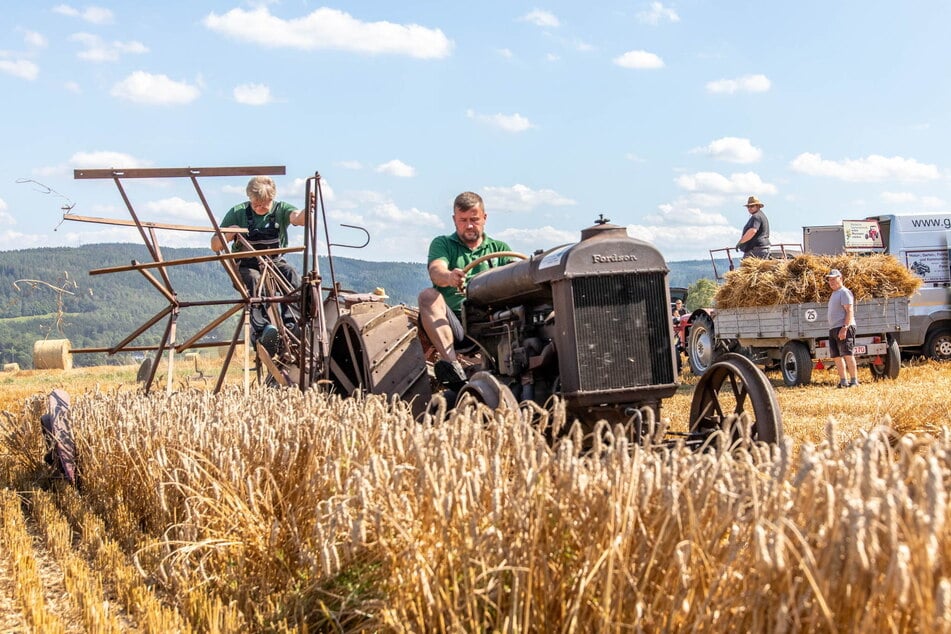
(852, 369)
(289, 312)
(251, 278)
(433, 319)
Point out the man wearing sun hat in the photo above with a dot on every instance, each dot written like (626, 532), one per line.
(841, 317)
(755, 239)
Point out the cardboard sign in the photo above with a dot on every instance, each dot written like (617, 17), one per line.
(862, 235)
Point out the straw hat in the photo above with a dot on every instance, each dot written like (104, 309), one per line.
(754, 201)
(379, 291)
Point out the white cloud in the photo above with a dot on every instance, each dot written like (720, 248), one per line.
(682, 230)
(106, 160)
(657, 13)
(93, 15)
(731, 149)
(176, 208)
(331, 29)
(5, 217)
(639, 60)
(253, 94)
(24, 69)
(521, 198)
(720, 184)
(34, 39)
(146, 88)
(349, 165)
(97, 50)
(507, 122)
(505, 52)
(872, 168)
(748, 83)
(909, 199)
(552, 57)
(396, 167)
(72, 87)
(528, 240)
(541, 18)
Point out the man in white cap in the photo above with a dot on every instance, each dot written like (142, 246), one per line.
(754, 243)
(842, 329)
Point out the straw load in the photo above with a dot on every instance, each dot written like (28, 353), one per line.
(802, 279)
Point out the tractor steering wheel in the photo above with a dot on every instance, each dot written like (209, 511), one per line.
(488, 256)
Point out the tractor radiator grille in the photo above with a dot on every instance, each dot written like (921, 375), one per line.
(623, 331)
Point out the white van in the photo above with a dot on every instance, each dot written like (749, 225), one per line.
(921, 242)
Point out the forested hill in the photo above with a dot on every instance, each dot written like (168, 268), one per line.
(101, 310)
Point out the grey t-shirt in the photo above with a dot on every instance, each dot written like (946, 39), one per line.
(837, 303)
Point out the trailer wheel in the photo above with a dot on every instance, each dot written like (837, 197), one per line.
(701, 351)
(795, 364)
(733, 386)
(938, 345)
(890, 365)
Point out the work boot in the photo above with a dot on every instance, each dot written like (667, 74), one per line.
(854, 383)
(450, 374)
(270, 339)
(842, 384)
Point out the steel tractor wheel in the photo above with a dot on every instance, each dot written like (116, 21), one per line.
(375, 348)
(890, 365)
(701, 351)
(796, 364)
(730, 387)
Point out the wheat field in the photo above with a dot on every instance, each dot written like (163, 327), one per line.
(281, 511)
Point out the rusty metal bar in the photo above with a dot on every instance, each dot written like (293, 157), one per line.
(181, 172)
(203, 344)
(151, 322)
(195, 260)
(153, 250)
(227, 360)
(169, 329)
(170, 296)
(151, 225)
(229, 266)
(211, 326)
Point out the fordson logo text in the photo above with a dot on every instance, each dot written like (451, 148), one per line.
(597, 258)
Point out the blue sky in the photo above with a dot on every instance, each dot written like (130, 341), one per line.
(663, 116)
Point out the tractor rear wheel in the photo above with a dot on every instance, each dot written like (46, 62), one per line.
(891, 364)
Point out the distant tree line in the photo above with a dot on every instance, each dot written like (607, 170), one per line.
(101, 310)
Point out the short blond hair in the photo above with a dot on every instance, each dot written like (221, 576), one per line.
(261, 188)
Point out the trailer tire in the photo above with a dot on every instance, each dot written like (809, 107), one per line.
(891, 364)
(795, 363)
(701, 351)
(938, 345)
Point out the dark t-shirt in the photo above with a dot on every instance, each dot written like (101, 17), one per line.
(760, 223)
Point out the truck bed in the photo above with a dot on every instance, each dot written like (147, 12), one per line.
(808, 321)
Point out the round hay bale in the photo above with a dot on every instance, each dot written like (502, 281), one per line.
(11, 367)
(192, 355)
(52, 354)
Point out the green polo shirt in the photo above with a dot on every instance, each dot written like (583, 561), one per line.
(238, 216)
(451, 250)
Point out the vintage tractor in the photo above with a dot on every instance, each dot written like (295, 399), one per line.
(590, 323)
